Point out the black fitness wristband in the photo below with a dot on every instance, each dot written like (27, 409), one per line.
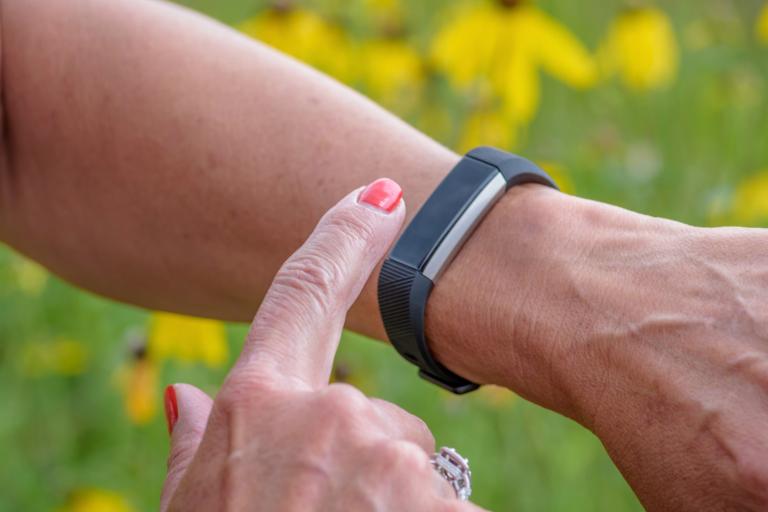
(430, 242)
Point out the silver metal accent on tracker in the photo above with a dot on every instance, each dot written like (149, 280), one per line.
(463, 227)
(455, 469)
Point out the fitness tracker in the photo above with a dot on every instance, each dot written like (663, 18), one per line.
(430, 242)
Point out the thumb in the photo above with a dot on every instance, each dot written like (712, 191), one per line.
(186, 409)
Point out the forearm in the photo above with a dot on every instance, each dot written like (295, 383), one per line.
(686, 403)
(164, 160)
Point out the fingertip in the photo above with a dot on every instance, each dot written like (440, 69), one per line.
(366, 214)
(383, 194)
(186, 405)
(189, 407)
(191, 396)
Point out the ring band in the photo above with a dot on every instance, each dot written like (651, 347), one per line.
(455, 470)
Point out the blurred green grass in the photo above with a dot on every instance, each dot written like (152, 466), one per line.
(674, 152)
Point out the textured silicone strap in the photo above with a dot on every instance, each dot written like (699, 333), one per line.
(404, 288)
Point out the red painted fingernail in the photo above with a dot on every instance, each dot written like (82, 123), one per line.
(383, 194)
(171, 408)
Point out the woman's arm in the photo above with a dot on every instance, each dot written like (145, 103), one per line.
(163, 159)
(159, 158)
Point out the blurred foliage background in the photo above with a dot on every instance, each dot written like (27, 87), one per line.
(657, 107)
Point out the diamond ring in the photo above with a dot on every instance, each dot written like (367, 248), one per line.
(455, 470)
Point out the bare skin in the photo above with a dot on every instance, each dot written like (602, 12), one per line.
(163, 160)
(651, 333)
(278, 436)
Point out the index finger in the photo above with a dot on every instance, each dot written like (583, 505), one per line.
(296, 331)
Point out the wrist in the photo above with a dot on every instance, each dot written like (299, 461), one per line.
(527, 300)
(489, 317)
(649, 332)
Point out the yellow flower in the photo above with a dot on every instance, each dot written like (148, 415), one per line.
(465, 48)
(762, 25)
(749, 205)
(138, 382)
(391, 72)
(504, 48)
(96, 500)
(60, 357)
(187, 339)
(641, 48)
(305, 36)
(30, 277)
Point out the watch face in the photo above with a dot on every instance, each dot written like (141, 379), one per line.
(437, 216)
(464, 226)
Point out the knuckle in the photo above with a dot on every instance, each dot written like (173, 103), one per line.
(421, 432)
(311, 274)
(317, 271)
(344, 402)
(246, 381)
(351, 226)
(413, 427)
